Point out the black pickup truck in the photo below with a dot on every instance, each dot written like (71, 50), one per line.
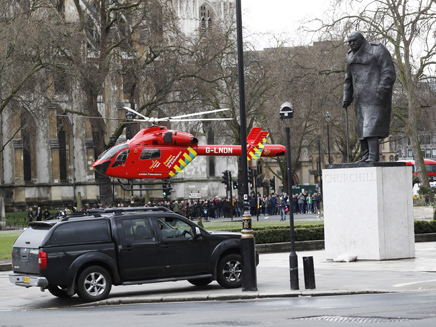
(122, 246)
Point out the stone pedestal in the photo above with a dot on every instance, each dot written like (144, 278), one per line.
(368, 211)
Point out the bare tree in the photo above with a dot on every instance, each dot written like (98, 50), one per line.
(311, 78)
(105, 40)
(23, 54)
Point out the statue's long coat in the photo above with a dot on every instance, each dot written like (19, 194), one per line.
(368, 83)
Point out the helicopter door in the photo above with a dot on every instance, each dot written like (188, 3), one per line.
(149, 161)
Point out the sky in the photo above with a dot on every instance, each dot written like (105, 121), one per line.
(282, 17)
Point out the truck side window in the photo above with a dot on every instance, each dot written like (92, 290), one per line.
(81, 232)
(173, 228)
(138, 230)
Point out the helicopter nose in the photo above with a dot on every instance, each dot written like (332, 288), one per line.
(102, 167)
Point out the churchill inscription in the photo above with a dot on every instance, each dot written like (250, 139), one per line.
(343, 177)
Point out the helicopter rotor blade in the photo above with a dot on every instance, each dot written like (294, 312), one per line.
(199, 113)
(200, 119)
(175, 118)
(151, 120)
(91, 117)
(137, 113)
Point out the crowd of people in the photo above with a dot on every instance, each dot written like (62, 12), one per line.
(217, 207)
(279, 204)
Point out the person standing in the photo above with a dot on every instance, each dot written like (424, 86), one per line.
(30, 215)
(274, 204)
(182, 207)
(309, 203)
(176, 207)
(46, 214)
(220, 207)
(369, 81)
(238, 207)
(282, 207)
(294, 202)
(301, 200)
(315, 203)
(38, 214)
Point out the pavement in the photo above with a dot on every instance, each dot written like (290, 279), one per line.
(331, 278)
(272, 280)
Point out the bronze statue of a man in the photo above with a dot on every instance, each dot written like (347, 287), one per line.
(369, 78)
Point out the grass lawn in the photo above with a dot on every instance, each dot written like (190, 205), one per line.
(223, 226)
(7, 239)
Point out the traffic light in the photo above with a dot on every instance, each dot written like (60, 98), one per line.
(272, 184)
(166, 190)
(225, 178)
(235, 185)
(250, 176)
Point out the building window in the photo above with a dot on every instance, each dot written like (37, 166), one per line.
(433, 153)
(428, 153)
(62, 155)
(409, 153)
(64, 131)
(206, 15)
(61, 83)
(425, 139)
(27, 153)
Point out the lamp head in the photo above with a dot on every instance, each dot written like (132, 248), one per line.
(286, 111)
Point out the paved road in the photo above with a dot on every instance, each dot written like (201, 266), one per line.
(381, 310)
(332, 278)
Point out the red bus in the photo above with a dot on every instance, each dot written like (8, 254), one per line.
(430, 165)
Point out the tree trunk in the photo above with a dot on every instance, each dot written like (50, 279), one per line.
(412, 132)
(98, 128)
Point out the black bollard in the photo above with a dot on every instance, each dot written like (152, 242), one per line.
(309, 273)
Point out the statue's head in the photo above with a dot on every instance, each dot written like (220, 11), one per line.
(355, 40)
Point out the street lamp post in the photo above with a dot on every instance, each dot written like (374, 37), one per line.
(248, 250)
(287, 112)
(319, 161)
(328, 118)
(129, 132)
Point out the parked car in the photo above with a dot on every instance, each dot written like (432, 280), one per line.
(122, 246)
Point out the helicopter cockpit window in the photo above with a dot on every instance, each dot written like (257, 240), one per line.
(150, 154)
(121, 158)
(110, 153)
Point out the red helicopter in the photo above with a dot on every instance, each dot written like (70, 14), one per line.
(158, 153)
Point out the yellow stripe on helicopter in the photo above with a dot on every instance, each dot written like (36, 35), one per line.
(189, 156)
(257, 151)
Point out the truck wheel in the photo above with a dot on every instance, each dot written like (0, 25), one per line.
(229, 271)
(200, 281)
(94, 284)
(58, 291)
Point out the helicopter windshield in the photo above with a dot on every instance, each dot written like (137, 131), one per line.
(110, 153)
(121, 158)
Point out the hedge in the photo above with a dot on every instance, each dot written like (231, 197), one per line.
(280, 234)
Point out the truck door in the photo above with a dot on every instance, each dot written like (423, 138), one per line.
(139, 250)
(182, 254)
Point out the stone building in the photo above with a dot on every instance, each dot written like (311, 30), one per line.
(47, 157)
